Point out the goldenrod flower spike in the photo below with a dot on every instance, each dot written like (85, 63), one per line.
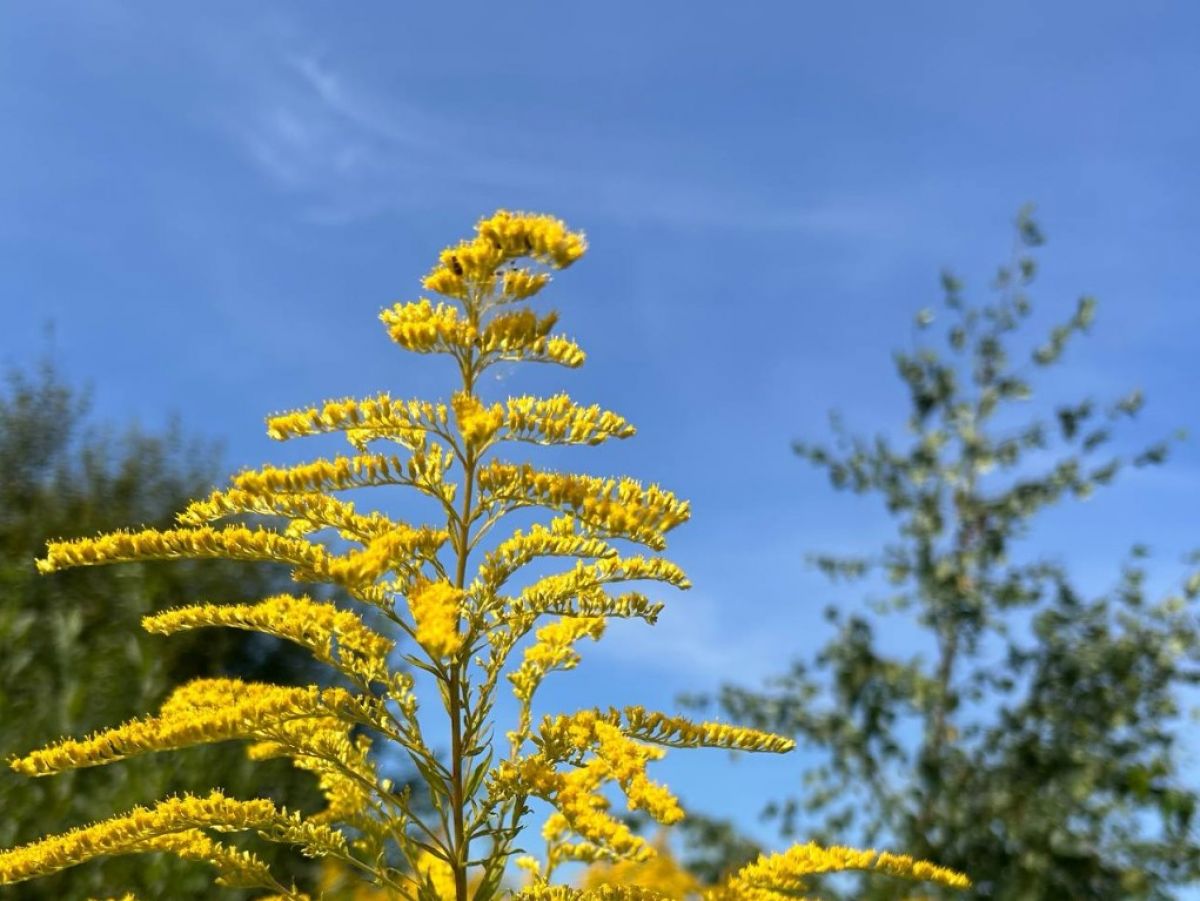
(245, 710)
(559, 420)
(130, 833)
(553, 650)
(333, 635)
(454, 600)
(543, 892)
(230, 542)
(314, 510)
(404, 421)
(781, 876)
(423, 328)
(500, 239)
(622, 508)
(235, 869)
(562, 537)
(523, 335)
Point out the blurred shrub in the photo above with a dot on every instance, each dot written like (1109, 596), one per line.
(72, 654)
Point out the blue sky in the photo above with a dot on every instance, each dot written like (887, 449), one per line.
(212, 202)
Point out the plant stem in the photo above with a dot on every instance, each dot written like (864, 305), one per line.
(459, 841)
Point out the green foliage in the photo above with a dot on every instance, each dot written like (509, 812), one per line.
(1034, 743)
(72, 654)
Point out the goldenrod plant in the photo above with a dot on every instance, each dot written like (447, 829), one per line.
(434, 605)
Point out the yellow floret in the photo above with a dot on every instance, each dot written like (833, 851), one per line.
(476, 423)
(436, 608)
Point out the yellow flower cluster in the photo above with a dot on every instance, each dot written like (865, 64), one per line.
(780, 876)
(553, 650)
(308, 512)
(626, 763)
(516, 330)
(332, 634)
(129, 833)
(235, 868)
(678, 732)
(556, 349)
(567, 734)
(476, 423)
(501, 238)
(231, 542)
(470, 274)
(619, 507)
(592, 602)
(559, 420)
(338, 474)
(425, 469)
(580, 592)
(447, 282)
(549, 593)
(400, 550)
(560, 538)
(580, 807)
(581, 810)
(378, 416)
(421, 327)
(326, 747)
(523, 335)
(202, 693)
(514, 283)
(541, 891)
(544, 238)
(392, 550)
(436, 873)
(217, 710)
(519, 284)
(436, 608)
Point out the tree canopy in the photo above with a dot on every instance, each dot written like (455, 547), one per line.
(1024, 731)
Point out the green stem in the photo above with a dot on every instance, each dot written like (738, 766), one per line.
(460, 840)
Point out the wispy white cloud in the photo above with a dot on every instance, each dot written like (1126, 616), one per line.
(352, 154)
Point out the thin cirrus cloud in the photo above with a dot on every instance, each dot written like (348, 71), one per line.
(351, 157)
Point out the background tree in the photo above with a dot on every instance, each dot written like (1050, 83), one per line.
(1033, 739)
(73, 656)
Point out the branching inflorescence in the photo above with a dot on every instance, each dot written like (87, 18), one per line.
(433, 598)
